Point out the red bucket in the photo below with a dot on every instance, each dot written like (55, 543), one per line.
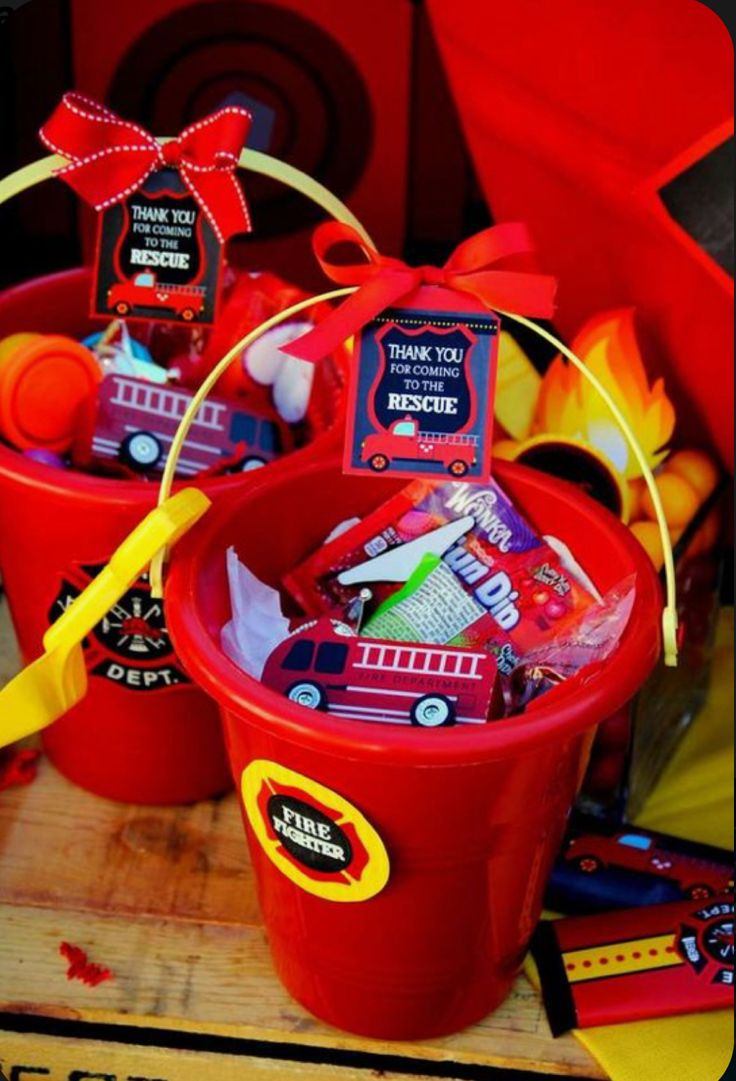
(144, 733)
(451, 833)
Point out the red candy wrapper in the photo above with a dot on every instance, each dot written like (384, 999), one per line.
(511, 572)
(636, 963)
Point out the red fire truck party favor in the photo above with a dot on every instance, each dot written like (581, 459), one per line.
(636, 963)
(136, 421)
(603, 867)
(324, 665)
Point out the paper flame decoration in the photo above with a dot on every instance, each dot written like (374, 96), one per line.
(570, 405)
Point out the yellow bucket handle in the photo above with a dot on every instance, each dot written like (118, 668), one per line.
(252, 160)
(669, 614)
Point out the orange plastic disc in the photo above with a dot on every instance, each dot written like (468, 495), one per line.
(44, 385)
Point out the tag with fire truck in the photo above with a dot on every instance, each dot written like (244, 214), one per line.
(421, 393)
(158, 257)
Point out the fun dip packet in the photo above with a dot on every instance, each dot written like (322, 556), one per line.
(511, 573)
(432, 607)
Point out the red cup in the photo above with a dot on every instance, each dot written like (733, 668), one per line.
(144, 733)
(469, 819)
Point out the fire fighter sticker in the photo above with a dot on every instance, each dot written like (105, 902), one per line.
(315, 837)
(158, 257)
(421, 395)
(130, 645)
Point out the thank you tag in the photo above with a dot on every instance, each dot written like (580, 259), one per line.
(158, 256)
(421, 394)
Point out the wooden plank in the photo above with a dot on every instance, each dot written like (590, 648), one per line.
(29, 1057)
(191, 976)
(165, 897)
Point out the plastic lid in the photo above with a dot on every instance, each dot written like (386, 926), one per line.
(43, 386)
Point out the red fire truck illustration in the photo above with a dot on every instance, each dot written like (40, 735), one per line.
(143, 290)
(697, 877)
(324, 666)
(403, 440)
(136, 422)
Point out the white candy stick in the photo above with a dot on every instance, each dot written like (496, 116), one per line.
(398, 563)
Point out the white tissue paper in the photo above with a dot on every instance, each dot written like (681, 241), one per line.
(292, 388)
(257, 624)
(291, 379)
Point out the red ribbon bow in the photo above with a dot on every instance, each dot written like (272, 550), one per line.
(382, 281)
(111, 157)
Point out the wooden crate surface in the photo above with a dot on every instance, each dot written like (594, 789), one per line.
(165, 898)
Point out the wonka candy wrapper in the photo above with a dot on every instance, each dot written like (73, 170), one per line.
(508, 570)
(636, 963)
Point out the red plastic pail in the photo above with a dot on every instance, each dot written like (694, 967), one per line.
(450, 833)
(144, 733)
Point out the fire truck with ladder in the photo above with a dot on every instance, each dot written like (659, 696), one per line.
(144, 290)
(136, 421)
(324, 666)
(403, 440)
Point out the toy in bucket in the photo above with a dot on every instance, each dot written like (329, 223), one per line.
(143, 732)
(443, 867)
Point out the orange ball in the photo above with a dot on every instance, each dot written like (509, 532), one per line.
(648, 535)
(697, 468)
(680, 501)
(505, 449)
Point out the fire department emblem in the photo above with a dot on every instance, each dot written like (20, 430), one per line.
(313, 835)
(708, 948)
(130, 645)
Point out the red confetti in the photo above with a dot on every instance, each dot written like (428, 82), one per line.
(82, 969)
(18, 767)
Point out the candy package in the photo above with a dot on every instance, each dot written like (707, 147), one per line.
(434, 608)
(573, 646)
(511, 573)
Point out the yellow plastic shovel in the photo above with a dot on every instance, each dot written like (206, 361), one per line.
(55, 682)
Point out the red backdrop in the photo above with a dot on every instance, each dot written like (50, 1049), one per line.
(577, 114)
(330, 82)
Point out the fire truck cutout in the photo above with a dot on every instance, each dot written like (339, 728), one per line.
(457, 452)
(143, 290)
(695, 876)
(136, 422)
(324, 666)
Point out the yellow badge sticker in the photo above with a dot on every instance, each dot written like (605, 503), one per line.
(314, 836)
